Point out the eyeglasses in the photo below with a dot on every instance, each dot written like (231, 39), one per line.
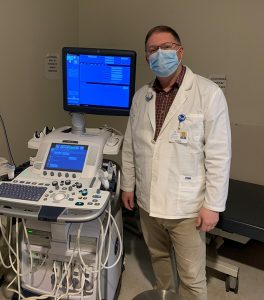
(165, 46)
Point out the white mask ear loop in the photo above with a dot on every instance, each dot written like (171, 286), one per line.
(176, 54)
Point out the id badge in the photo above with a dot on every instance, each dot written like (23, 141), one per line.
(180, 137)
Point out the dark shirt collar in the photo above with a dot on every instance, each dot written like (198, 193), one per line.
(158, 88)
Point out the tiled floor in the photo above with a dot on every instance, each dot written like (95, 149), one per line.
(138, 276)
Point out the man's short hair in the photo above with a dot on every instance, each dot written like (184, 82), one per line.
(162, 28)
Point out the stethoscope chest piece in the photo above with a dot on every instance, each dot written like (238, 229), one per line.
(149, 95)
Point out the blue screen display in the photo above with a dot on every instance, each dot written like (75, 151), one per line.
(66, 157)
(98, 80)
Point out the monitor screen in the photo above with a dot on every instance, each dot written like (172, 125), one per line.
(66, 157)
(98, 81)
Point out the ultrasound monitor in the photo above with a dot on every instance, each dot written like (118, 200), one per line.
(66, 157)
(98, 81)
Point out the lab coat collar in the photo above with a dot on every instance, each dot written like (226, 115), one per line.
(181, 97)
(151, 106)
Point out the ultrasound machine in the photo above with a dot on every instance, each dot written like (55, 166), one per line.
(65, 237)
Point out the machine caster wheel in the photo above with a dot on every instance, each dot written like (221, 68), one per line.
(231, 284)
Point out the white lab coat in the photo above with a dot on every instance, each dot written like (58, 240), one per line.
(174, 180)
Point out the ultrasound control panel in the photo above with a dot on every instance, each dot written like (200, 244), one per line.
(64, 179)
(58, 193)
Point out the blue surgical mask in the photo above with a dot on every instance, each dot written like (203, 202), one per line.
(164, 62)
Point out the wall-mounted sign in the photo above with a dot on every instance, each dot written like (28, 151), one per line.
(220, 80)
(52, 66)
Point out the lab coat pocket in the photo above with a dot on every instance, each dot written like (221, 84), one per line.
(195, 126)
(191, 191)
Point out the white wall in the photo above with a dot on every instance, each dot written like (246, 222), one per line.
(30, 29)
(220, 37)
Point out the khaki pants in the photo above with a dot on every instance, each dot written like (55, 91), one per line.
(190, 251)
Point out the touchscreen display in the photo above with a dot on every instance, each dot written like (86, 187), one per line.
(66, 157)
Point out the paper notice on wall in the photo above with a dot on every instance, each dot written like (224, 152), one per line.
(52, 66)
(220, 80)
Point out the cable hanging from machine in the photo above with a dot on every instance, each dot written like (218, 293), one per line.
(7, 141)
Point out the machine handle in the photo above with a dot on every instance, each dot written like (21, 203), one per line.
(64, 217)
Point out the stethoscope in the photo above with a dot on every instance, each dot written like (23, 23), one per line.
(149, 94)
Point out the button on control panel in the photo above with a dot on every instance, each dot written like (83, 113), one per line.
(59, 174)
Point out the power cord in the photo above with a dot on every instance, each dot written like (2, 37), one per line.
(7, 141)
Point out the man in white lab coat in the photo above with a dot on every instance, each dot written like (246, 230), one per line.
(176, 157)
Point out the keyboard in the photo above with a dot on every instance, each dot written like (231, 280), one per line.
(21, 191)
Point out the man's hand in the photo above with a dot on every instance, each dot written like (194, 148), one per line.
(207, 219)
(128, 200)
